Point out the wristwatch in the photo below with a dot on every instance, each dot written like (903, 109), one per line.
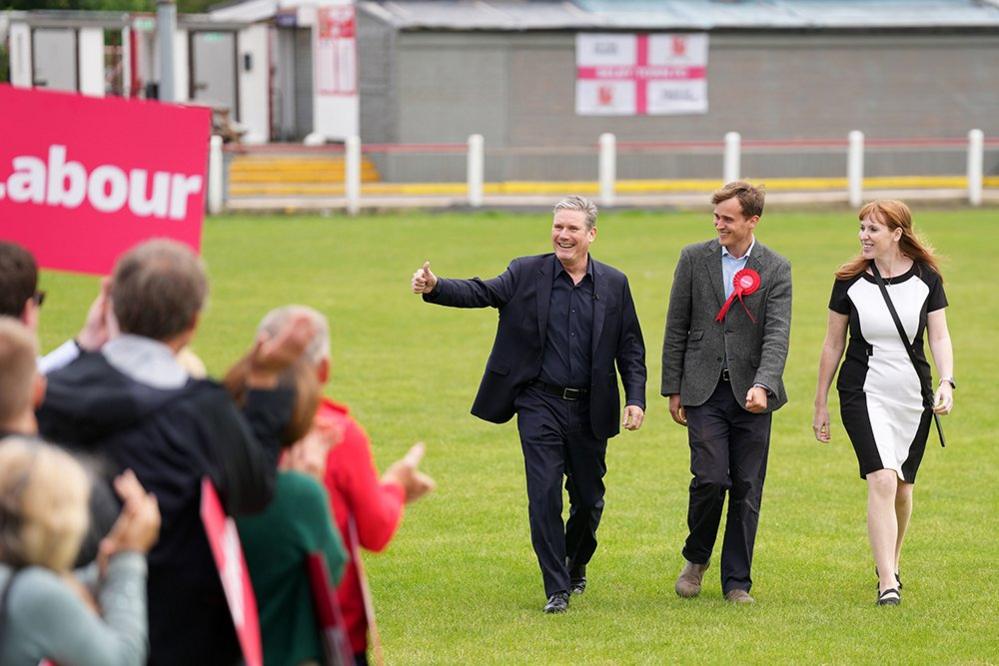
(949, 380)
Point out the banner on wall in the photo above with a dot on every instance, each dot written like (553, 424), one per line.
(83, 179)
(641, 74)
(336, 51)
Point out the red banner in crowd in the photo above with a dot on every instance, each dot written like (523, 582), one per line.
(224, 541)
(83, 179)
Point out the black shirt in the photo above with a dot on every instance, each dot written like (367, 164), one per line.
(568, 344)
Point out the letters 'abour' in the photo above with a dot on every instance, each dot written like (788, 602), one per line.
(83, 179)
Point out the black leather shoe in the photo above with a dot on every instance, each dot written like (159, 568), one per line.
(557, 603)
(577, 578)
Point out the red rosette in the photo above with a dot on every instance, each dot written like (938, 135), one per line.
(744, 283)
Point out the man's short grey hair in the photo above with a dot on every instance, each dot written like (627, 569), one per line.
(582, 204)
(319, 348)
(158, 288)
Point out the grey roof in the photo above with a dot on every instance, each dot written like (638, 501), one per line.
(685, 14)
(58, 18)
(481, 15)
(802, 14)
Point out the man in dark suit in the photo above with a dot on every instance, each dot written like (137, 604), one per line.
(564, 319)
(722, 374)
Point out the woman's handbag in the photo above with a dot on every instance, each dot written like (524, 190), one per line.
(926, 390)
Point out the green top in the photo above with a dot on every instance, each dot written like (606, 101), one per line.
(276, 542)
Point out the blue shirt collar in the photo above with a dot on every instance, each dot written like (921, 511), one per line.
(726, 253)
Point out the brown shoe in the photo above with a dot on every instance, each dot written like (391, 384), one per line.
(738, 596)
(689, 583)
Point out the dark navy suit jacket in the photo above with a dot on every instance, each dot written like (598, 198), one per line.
(522, 294)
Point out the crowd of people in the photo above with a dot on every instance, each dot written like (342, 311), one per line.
(104, 558)
(107, 441)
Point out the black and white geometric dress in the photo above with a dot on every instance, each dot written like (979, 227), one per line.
(880, 393)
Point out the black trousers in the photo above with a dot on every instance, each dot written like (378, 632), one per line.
(558, 442)
(728, 454)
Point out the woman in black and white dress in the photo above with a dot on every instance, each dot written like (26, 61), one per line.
(881, 391)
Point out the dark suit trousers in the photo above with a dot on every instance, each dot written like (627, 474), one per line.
(728, 453)
(558, 441)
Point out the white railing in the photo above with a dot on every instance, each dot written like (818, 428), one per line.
(976, 157)
(733, 156)
(608, 150)
(855, 168)
(608, 168)
(476, 160)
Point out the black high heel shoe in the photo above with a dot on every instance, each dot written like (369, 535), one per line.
(890, 597)
(897, 578)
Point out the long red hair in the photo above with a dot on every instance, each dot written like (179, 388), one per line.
(894, 215)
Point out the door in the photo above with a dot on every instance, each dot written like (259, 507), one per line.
(292, 83)
(213, 70)
(53, 58)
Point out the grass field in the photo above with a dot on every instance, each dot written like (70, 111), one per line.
(460, 583)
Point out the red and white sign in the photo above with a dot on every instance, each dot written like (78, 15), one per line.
(83, 179)
(641, 74)
(228, 553)
(336, 51)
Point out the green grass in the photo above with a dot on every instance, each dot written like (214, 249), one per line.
(460, 583)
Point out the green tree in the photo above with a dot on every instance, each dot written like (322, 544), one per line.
(4, 74)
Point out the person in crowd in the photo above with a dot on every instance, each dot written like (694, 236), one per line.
(21, 298)
(22, 386)
(885, 389)
(45, 613)
(722, 370)
(367, 509)
(564, 320)
(137, 407)
(294, 525)
(19, 294)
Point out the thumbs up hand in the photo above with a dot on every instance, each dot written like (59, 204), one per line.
(405, 472)
(424, 280)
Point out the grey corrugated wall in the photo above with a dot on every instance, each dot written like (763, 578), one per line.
(517, 89)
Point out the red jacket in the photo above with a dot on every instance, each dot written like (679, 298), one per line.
(356, 493)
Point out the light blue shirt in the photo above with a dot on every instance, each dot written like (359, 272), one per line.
(731, 266)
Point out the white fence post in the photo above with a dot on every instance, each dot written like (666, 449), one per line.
(216, 177)
(475, 169)
(608, 168)
(733, 156)
(976, 155)
(352, 174)
(855, 168)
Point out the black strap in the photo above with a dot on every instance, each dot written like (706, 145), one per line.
(927, 391)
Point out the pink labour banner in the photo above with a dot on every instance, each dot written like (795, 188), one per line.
(641, 74)
(228, 553)
(83, 179)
